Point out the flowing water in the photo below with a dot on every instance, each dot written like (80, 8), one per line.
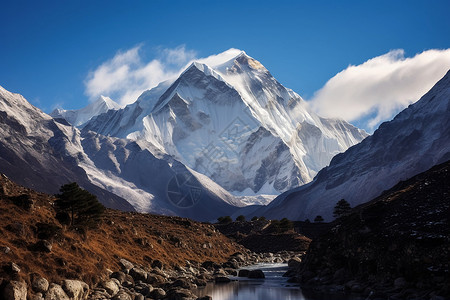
(273, 287)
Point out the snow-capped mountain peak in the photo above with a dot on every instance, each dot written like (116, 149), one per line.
(79, 117)
(234, 122)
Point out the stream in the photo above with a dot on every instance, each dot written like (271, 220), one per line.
(273, 287)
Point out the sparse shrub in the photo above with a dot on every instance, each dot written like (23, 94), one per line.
(240, 218)
(262, 218)
(307, 221)
(286, 225)
(318, 219)
(224, 220)
(341, 209)
(255, 218)
(83, 207)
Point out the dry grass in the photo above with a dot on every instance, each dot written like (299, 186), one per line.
(139, 238)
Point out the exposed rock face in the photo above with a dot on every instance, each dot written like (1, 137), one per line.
(399, 241)
(15, 290)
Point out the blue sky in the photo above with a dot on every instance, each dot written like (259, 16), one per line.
(49, 48)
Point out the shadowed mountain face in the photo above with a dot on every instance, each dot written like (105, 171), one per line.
(43, 153)
(414, 141)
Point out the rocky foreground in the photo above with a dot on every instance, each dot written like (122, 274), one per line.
(396, 246)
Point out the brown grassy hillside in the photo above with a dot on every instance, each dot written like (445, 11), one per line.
(27, 216)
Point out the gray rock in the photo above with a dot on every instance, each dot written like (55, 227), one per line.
(121, 276)
(13, 268)
(37, 296)
(111, 286)
(256, 274)
(76, 289)
(126, 265)
(221, 279)
(294, 263)
(205, 298)
(157, 264)
(122, 295)
(56, 292)
(39, 284)
(243, 273)
(5, 249)
(43, 246)
(157, 293)
(138, 274)
(15, 290)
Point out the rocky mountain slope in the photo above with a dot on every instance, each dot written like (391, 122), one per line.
(397, 244)
(77, 117)
(44, 153)
(414, 141)
(234, 122)
(28, 217)
(29, 155)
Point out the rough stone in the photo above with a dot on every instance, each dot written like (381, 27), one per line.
(138, 274)
(243, 273)
(56, 292)
(15, 290)
(256, 274)
(111, 286)
(157, 293)
(122, 295)
(126, 265)
(39, 284)
(76, 289)
(221, 279)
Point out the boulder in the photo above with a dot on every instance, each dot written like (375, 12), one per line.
(119, 275)
(180, 294)
(43, 246)
(126, 265)
(37, 296)
(294, 263)
(122, 295)
(157, 264)
(111, 286)
(157, 294)
(56, 292)
(38, 283)
(243, 273)
(256, 274)
(138, 274)
(76, 289)
(400, 282)
(221, 279)
(12, 268)
(15, 290)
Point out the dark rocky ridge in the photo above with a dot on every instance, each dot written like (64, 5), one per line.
(397, 244)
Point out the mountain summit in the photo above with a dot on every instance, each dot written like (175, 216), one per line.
(234, 122)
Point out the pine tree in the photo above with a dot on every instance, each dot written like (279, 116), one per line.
(318, 219)
(82, 206)
(341, 209)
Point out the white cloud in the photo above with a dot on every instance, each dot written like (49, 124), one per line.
(381, 86)
(127, 75)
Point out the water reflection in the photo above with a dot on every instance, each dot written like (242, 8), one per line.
(273, 287)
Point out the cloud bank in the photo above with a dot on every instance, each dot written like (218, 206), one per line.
(125, 76)
(380, 87)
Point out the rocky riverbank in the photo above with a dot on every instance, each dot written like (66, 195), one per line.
(138, 282)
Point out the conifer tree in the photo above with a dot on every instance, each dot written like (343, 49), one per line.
(82, 206)
(341, 209)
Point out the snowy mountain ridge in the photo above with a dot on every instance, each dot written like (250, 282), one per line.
(78, 117)
(236, 124)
